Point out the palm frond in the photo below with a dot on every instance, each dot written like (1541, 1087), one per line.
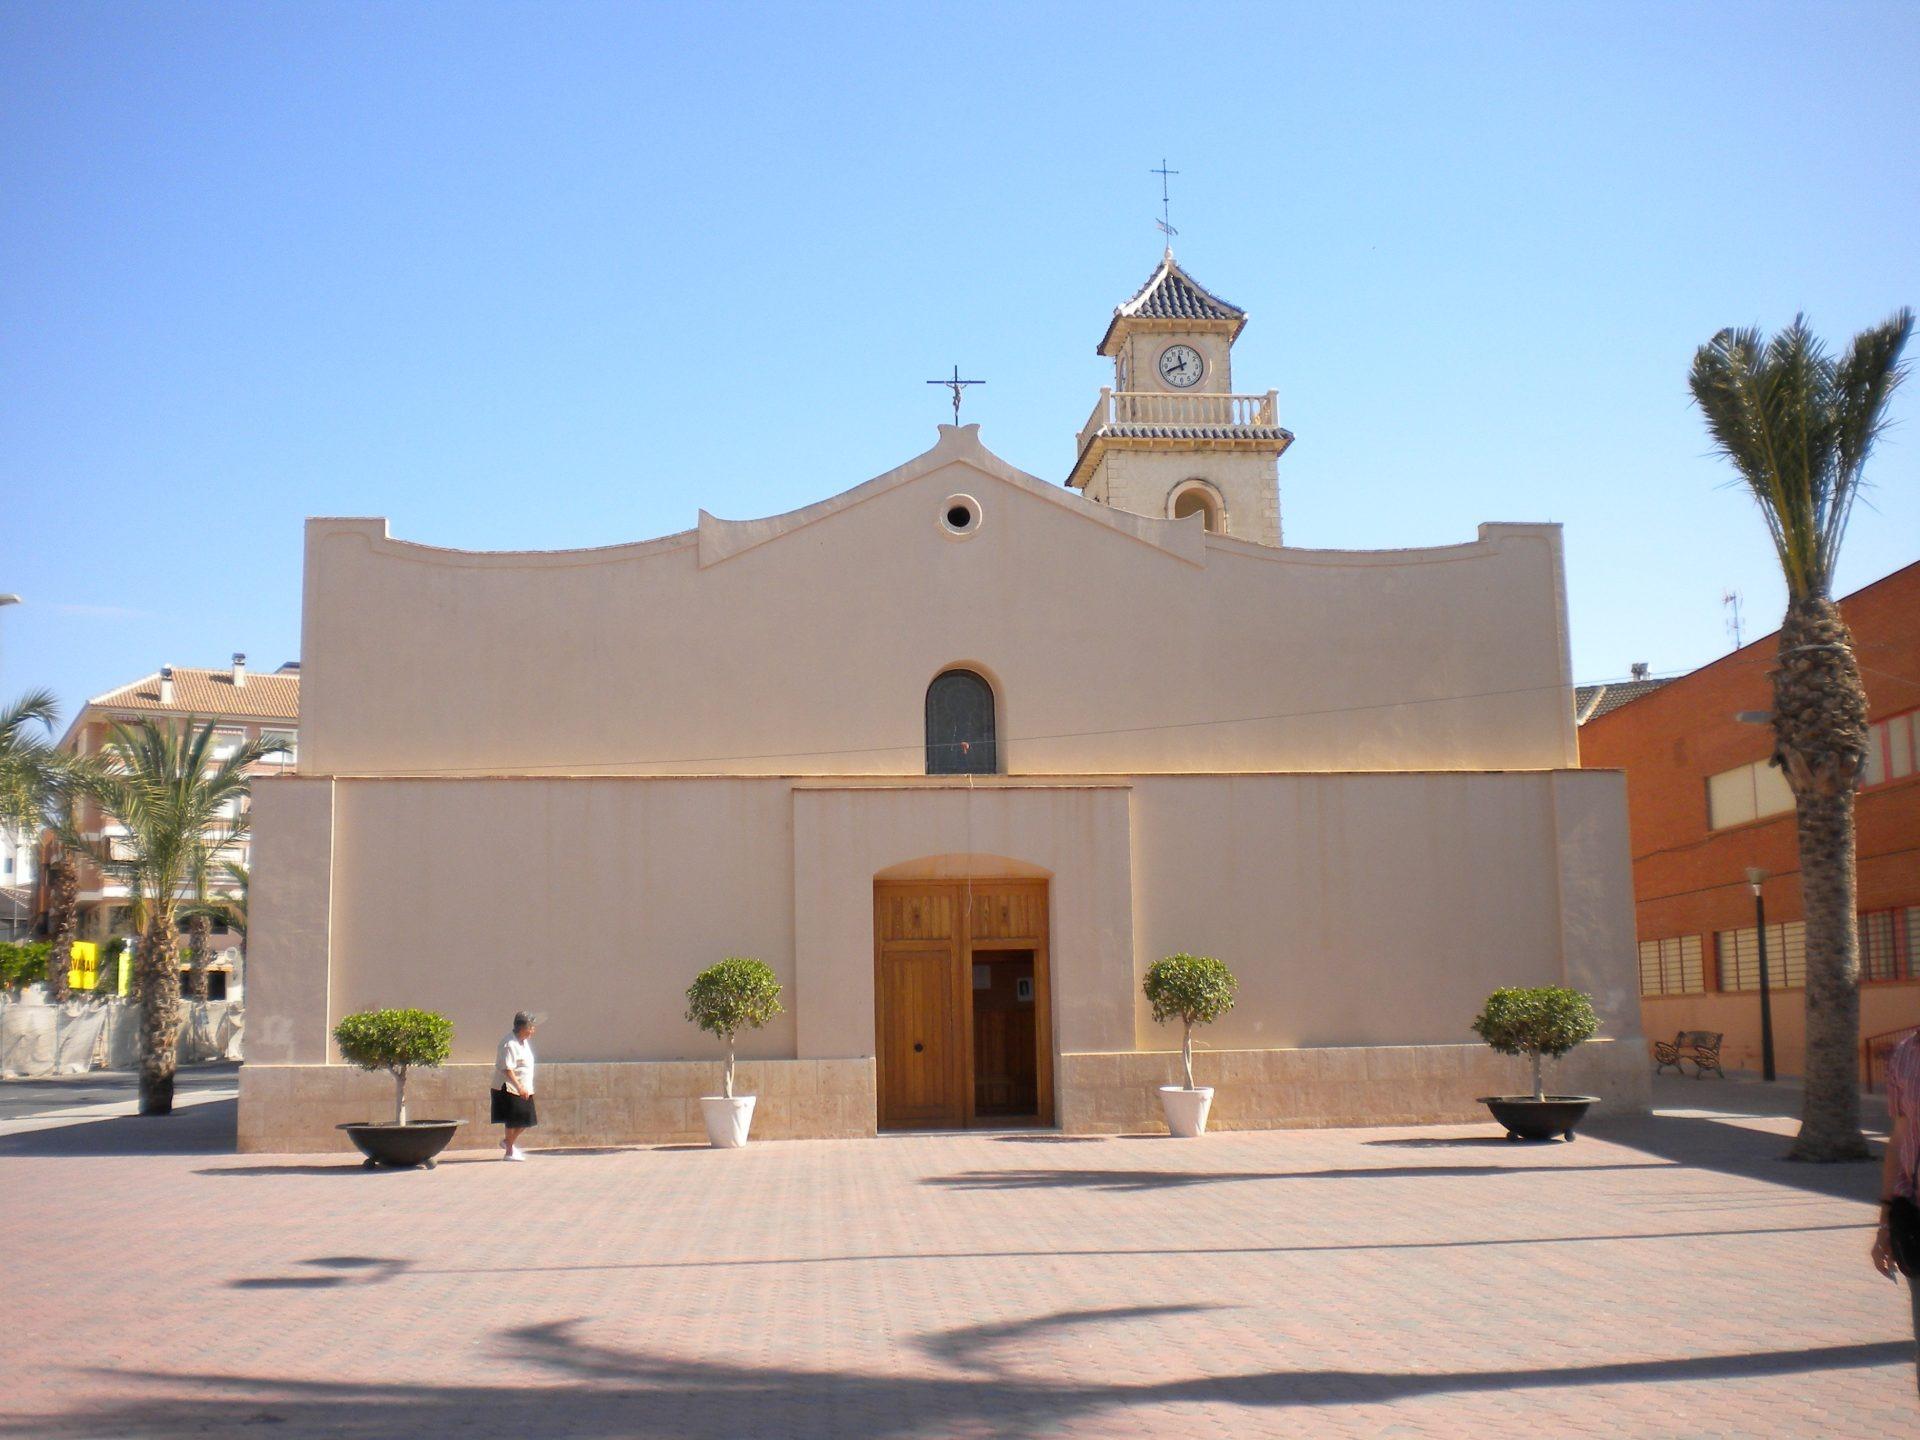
(1797, 428)
(32, 772)
(36, 707)
(182, 808)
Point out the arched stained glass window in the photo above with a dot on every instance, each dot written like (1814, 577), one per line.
(960, 734)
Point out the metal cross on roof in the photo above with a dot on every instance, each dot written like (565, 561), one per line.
(955, 385)
(1165, 222)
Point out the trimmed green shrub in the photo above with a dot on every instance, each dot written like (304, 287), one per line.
(23, 964)
(1543, 1020)
(737, 994)
(1195, 990)
(395, 1041)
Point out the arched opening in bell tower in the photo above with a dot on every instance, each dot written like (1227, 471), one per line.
(1197, 497)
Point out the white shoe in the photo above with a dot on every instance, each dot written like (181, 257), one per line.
(516, 1153)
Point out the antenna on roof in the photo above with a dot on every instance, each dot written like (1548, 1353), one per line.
(1731, 599)
(1165, 222)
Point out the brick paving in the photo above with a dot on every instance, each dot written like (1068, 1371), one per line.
(1655, 1278)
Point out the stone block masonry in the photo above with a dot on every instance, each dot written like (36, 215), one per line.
(295, 1109)
(1336, 1086)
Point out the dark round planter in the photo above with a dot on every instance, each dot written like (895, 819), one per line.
(1529, 1119)
(414, 1143)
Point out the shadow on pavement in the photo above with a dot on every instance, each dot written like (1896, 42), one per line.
(206, 1128)
(1705, 1142)
(598, 1392)
(1175, 1179)
(400, 1269)
(1446, 1142)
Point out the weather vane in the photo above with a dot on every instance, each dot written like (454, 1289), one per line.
(1165, 222)
(956, 384)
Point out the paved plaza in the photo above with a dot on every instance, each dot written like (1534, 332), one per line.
(1655, 1278)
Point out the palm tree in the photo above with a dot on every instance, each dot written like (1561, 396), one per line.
(1797, 426)
(162, 784)
(63, 919)
(34, 780)
(226, 902)
(217, 900)
(199, 922)
(29, 766)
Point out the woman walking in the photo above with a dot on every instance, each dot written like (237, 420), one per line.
(513, 1086)
(1896, 1244)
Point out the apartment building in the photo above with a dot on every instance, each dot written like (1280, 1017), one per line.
(241, 703)
(1705, 808)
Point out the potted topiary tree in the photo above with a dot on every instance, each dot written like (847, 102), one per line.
(1546, 1020)
(396, 1041)
(1196, 990)
(737, 994)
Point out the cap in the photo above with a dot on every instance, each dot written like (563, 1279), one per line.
(524, 1018)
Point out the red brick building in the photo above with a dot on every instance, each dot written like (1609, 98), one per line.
(1704, 805)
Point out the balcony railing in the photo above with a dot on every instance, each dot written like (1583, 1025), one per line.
(1154, 407)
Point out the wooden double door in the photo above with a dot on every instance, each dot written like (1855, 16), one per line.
(963, 1007)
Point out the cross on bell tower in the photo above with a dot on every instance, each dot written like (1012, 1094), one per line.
(1165, 222)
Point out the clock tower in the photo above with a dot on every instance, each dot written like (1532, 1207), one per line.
(1170, 437)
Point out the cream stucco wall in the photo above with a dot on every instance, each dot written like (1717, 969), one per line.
(1344, 773)
(804, 644)
(1356, 909)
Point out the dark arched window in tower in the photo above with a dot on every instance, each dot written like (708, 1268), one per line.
(960, 736)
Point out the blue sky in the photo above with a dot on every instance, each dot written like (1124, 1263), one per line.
(541, 276)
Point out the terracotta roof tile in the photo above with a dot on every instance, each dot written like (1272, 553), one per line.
(1172, 294)
(1592, 701)
(1196, 432)
(211, 693)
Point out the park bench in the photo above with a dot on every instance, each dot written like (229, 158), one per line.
(1699, 1048)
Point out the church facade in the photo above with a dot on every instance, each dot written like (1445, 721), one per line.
(959, 752)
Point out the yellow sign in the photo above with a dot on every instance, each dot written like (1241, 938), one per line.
(84, 969)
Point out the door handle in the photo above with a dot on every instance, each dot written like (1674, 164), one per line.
(918, 1047)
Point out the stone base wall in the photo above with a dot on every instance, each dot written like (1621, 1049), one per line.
(294, 1109)
(1117, 1092)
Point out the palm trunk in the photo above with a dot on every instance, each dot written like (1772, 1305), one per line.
(158, 969)
(199, 943)
(64, 886)
(1820, 729)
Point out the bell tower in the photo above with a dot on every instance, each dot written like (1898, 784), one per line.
(1170, 438)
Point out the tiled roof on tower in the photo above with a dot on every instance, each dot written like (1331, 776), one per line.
(1172, 294)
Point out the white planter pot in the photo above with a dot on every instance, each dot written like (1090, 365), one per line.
(1186, 1109)
(727, 1120)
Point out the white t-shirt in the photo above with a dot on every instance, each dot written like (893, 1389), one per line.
(516, 1057)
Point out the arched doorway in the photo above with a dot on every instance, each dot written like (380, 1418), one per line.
(963, 1004)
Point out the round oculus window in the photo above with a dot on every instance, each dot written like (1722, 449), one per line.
(960, 516)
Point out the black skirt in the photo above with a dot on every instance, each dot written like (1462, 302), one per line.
(516, 1112)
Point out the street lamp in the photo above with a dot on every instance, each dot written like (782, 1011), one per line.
(1755, 878)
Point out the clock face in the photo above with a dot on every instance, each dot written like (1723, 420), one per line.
(1181, 366)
